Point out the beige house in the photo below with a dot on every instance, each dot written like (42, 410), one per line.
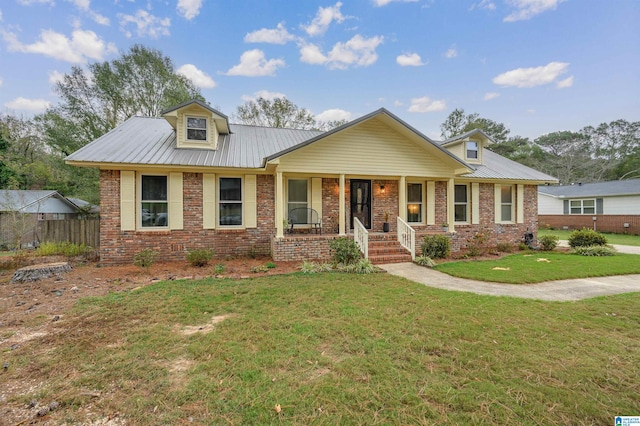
(191, 179)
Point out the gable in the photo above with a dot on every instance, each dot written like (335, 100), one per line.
(378, 147)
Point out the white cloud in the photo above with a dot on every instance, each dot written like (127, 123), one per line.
(358, 51)
(451, 53)
(198, 77)
(21, 103)
(83, 45)
(527, 9)
(265, 94)
(146, 24)
(334, 115)
(189, 9)
(0, 82)
(30, 2)
(531, 111)
(254, 64)
(56, 76)
(279, 35)
(324, 17)
(490, 95)
(85, 6)
(567, 82)
(381, 3)
(397, 103)
(484, 4)
(0, 15)
(425, 104)
(531, 77)
(409, 60)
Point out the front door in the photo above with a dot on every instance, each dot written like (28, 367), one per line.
(361, 202)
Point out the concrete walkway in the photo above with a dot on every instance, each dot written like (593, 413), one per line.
(618, 247)
(562, 290)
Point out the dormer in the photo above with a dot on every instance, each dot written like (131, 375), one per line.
(469, 146)
(197, 125)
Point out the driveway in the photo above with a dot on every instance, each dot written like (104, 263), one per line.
(562, 290)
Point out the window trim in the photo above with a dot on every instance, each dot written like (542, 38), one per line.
(467, 150)
(466, 203)
(241, 202)
(512, 203)
(186, 129)
(582, 200)
(422, 202)
(139, 201)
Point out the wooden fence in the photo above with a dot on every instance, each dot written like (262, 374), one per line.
(77, 231)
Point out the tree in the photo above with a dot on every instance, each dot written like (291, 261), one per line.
(277, 112)
(568, 156)
(458, 123)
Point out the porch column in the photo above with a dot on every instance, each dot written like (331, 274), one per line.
(402, 198)
(279, 205)
(451, 189)
(342, 211)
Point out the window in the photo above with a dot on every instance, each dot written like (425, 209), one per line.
(506, 203)
(196, 129)
(155, 208)
(583, 206)
(472, 150)
(230, 205)
(298, 199)
(461, 203)
(414, 202)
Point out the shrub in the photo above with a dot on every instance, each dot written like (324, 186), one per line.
(345, 251)
(145, 258)
(548, 242)
(436, 246)
(199, 257)
(504, 247)
(594, 251)
(270, 265)
(219, 268)
(586, 237)
(522, 246)
(260, 268)
(362, 266)
(313, 267)
(477, 243)
(63, 249)
(424, 261)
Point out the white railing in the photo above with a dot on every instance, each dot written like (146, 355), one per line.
(407, 237)
(361, 237)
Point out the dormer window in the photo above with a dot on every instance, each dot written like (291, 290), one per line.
(197, 129)
(472, 150)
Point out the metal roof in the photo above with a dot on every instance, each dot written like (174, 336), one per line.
(35, 201)
(466, 135)
(596, 189)
(498, 167)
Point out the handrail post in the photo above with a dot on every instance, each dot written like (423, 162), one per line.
(407, 237)
(361, 237)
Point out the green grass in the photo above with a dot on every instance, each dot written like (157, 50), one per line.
(623, 239)
(530, 267)
(338, 349)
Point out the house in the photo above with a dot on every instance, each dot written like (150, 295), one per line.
(21, 211)
(605, 206)
(190, 179)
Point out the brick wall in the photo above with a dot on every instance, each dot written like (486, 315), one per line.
(604, 223)
(118, 247)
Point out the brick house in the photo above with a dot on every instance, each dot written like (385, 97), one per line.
(189, 179)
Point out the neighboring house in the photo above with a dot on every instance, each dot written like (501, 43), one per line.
(22, 210)
(191, 180)
(606, 206)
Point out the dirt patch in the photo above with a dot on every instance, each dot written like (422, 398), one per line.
(203, 328)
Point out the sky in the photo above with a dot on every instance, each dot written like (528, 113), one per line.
(538, 66)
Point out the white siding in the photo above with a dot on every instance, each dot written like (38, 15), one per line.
(621, 205)
(549, 205)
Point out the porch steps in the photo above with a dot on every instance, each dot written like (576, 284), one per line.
(384, 249)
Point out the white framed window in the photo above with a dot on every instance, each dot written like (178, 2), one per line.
(230, 210)
(472, 150)
(196, 128)
(587, 206)
(506, 203)
(298, 198)
(154, 204)
(461, 203)
(414, 203)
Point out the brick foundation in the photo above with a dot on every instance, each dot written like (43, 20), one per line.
(603, 223)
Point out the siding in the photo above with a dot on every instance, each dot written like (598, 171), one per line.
(371, 149)
(549, 205)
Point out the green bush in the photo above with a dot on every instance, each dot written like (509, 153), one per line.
(313, 267)
(522, 246)
(594, 251)
(504, 247)
(219, 269)
(63, 249)
(145, 258)
(199, 257)
(548, 242)
(362, 266)
(424, 261)
(477, 243)
(345, 251)
(586, 237)
(259, 268)
(270, 265)
(436, 246)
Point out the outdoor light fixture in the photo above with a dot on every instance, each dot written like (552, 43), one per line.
(382, 190)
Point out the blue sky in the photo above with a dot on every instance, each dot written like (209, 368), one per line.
(536, 65)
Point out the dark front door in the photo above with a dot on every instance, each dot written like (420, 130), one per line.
(361, 202)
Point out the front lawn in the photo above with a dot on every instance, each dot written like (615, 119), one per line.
(333, 349)
(622, 239)
(535, 267)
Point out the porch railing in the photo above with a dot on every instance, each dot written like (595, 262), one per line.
(407, 237)
(361, 237)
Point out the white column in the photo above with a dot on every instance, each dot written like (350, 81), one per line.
(341, 208)
(450, 205)
(402, 198)
(279, 205)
